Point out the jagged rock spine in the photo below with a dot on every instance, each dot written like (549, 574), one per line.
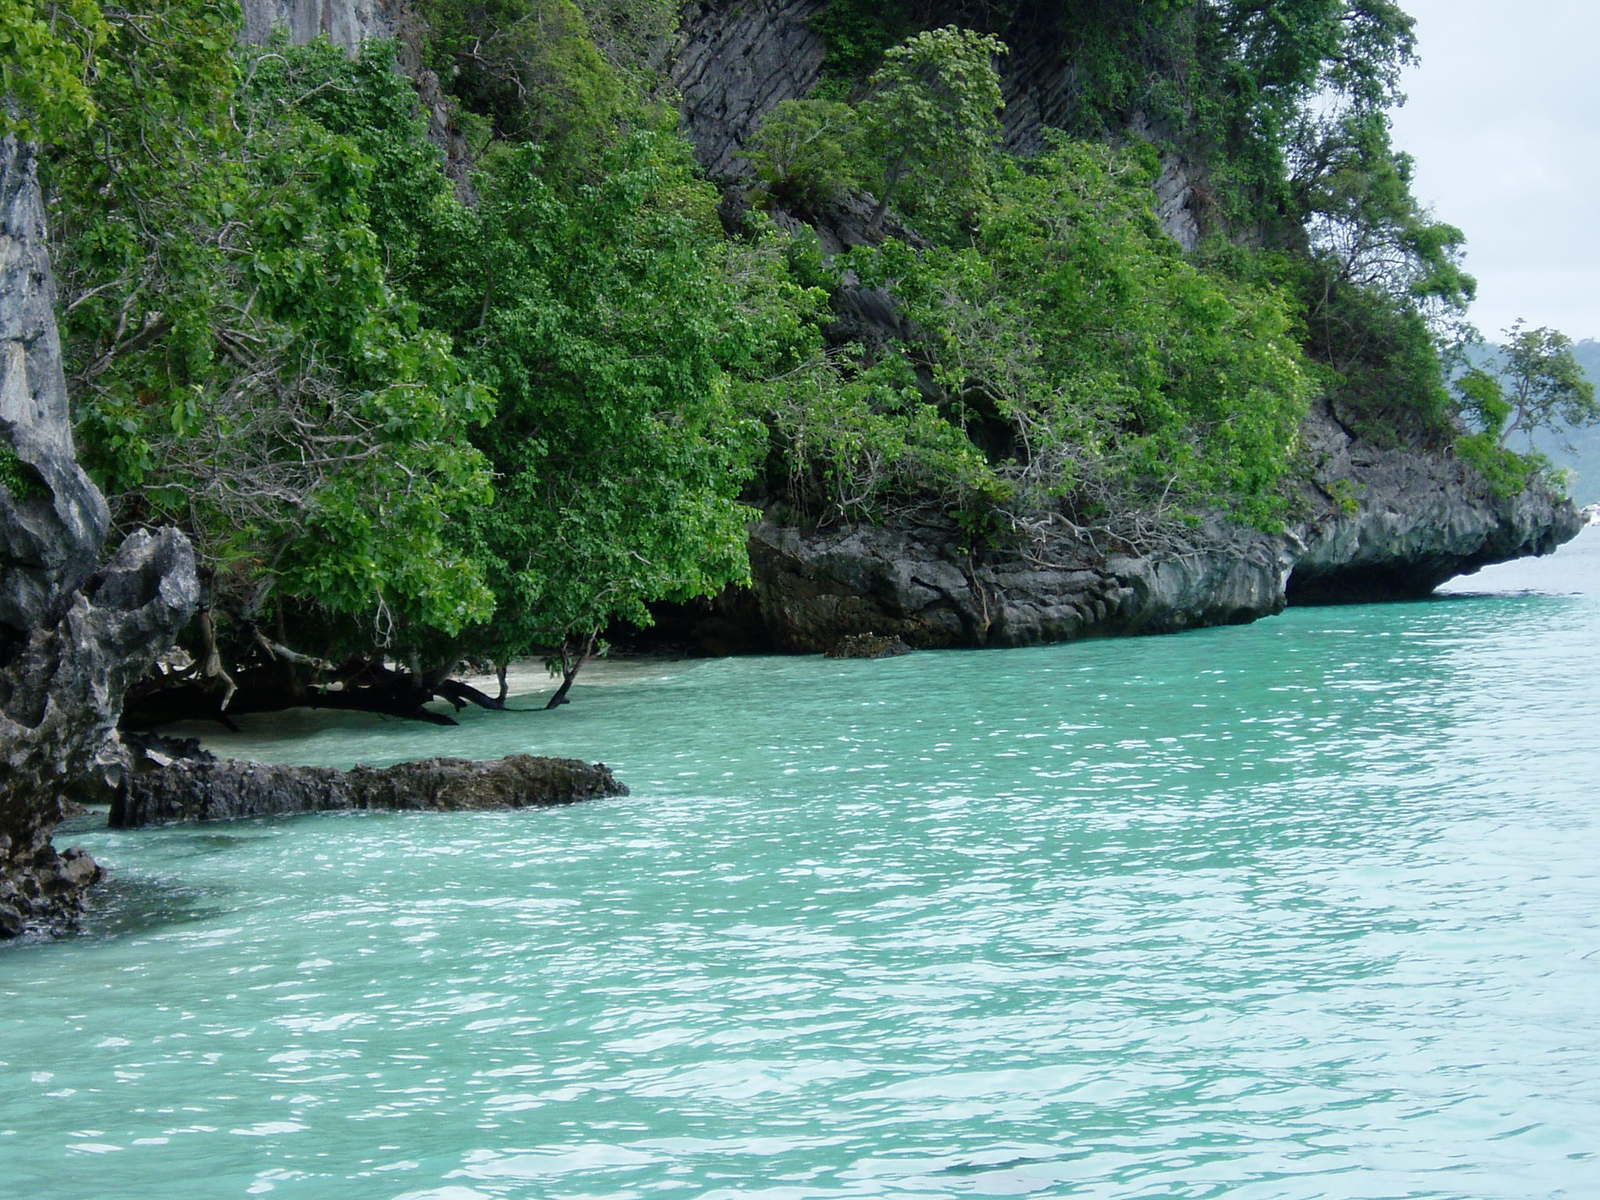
(73, 634)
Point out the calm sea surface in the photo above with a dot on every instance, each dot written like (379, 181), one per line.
(1309, 908)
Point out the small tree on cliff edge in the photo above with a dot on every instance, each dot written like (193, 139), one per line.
(932, 116)
(1540, 385)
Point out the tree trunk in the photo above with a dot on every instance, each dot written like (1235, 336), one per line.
(362, 686)
(571, 663)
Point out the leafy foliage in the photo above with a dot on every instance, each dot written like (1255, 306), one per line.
(569, 76)
(808, 152)
(595, 314)
(47, 51)
(241, 365)
(1505, 471)
(857, 35)
(18, 478)
(932, 116)
(1354, 191)
(1538, 384)
(531, 67)
(1541, 384)
(1070, 365)
(310, 402)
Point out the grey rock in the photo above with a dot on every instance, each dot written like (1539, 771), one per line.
(734, 64)
(345, 23)
(813, 588)
(51, 534)
(867, 645)
(1409, 521)
(1413, 519)
(72, 638)
(193, 790)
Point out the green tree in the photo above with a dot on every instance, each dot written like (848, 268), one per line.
(1541, 383)
(241, 365)
(1538, 384)
(533, 69)
(1291, 49)
(47, 52)
(808, 152)
(597, 315)
(931, 118)
(1353, 190)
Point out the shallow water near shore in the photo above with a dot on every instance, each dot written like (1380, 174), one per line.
(1308, 908)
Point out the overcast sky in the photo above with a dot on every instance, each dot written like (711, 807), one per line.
(1502, 118)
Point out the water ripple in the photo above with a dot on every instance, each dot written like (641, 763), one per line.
(1299, 910)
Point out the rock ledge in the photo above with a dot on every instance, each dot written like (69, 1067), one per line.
(226, 789)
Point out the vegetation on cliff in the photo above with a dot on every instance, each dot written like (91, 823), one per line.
(408, 419)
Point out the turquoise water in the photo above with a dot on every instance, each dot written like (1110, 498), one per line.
(1308, 908)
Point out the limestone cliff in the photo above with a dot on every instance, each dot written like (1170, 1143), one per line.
(73, 634)
(349, 24)
(1375, 522)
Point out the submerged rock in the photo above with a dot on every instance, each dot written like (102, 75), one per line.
(199, 790)
(868, 645)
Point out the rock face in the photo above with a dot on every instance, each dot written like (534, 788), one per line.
(735, 64)
(72, 637)
(812, 588)
(1411, 521)
(345, 23)
(52, 520)
(219, 790)
(737, 60)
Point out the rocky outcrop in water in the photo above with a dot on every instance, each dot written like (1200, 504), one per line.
(867, 645)
(188, 790)
(73, 634)
(1377, 522)
(1380, 523)
(1394, 522)
(918, 584)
